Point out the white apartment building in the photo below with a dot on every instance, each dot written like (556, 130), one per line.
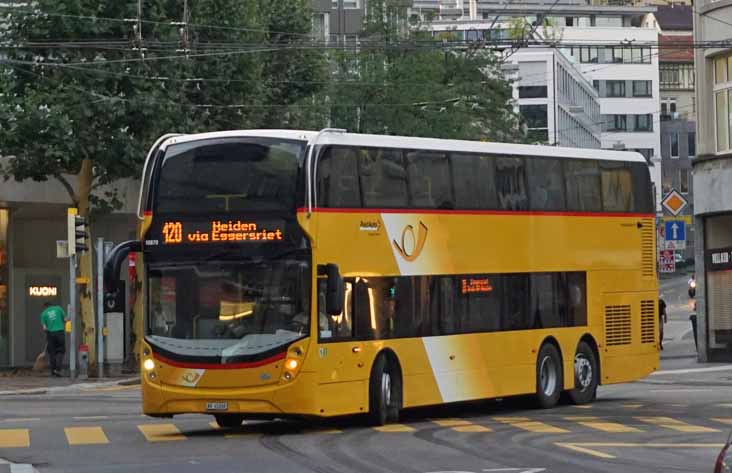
(559, 105)
(625, 77)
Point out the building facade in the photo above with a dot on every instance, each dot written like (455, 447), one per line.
(712, 175)
(32, 220)
(560, 107)
(678, 108)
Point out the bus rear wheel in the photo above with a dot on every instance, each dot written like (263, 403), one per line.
(585, 375)
(548, 376)
(229, 421)
(385, 392)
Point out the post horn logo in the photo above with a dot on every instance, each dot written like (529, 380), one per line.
(411, 252)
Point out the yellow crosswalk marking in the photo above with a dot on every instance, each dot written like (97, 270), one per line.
(610, 427)
(394, 428)
(530, 425)
(160, 432)
(472, 428)
(451, 422)
(85, 435)
(675, 424)
(14, 438)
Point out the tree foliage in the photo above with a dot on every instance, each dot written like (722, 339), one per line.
(81, 84)
(398, 82)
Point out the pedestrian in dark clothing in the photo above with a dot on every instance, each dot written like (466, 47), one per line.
(662, 319)
(53, 320)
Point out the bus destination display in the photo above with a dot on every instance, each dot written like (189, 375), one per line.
(176, 232)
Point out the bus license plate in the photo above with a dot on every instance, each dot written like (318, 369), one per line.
(217, 406)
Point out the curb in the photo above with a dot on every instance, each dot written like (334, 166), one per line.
(72, 387)
(678, 357)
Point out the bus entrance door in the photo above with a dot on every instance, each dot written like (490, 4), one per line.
(342, 377)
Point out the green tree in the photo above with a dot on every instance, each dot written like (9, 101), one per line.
(85, 92)
(400, 82)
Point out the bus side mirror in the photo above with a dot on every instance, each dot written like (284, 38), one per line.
(113, 264)
(334, 292)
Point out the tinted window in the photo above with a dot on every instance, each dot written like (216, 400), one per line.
(229, 175)
(383, 178)
(511, 184)
(643, 198)
(338, 178)
(583, 185)
(429, 180)
(617, 187)
(547, 184)
(414, 306)
(473, 181)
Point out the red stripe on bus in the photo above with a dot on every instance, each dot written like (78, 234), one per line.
(219, 366)
(147, 213)
(479, 212)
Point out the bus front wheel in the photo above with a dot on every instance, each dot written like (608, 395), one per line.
(548, 376)
(385, 391)
(585, 375)
(229, 421)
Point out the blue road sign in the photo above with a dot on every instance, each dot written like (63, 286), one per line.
(675, 230)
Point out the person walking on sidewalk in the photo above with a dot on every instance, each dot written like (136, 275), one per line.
(53, 319)
(662, 319)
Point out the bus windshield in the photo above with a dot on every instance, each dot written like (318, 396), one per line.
(229, 175)
(228, 309)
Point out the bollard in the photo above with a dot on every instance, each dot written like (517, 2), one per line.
(692, 319)
(83, 361)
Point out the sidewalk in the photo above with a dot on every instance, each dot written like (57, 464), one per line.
(24, 381)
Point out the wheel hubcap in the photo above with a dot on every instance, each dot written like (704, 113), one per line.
(386, 388)
(583, 371)
(548, 376)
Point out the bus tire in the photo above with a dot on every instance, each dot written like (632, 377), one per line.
(384, 392)
(585, 375)
(548, 376)
(229, 421)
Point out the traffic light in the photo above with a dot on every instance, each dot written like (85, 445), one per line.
(78, 232)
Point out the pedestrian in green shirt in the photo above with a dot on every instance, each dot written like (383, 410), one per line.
(53, 319)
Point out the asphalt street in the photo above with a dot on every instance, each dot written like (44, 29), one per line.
(675, 420)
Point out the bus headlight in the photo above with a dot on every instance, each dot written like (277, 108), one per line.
(148, 364)
(292, 364)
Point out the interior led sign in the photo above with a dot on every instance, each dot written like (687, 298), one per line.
(219, 231)
(42, 291)
(470, 286)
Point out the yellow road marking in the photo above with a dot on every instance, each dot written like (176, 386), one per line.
(329, 431)
(471, 428)
(724, 420)
(394, 428)
(85, 435)
(674, 424)
(632, 406)
(587, 447)
(14, 438)
(530, 426)
(584, 406)
(610, 427)
(451, 422)
(580, 418)
(160, 432)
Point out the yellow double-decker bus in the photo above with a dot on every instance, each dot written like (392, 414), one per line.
(328, 273)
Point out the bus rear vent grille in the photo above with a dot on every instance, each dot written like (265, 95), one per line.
(648, 247)
(648, 334)
(617, 325)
